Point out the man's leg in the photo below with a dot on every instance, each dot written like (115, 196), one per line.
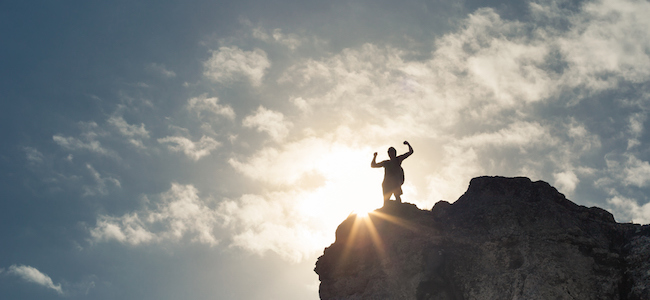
(398, 194)
(387, 192)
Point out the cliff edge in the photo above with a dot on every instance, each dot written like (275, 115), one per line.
(505, 238)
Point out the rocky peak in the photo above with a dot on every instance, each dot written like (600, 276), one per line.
(505, 238)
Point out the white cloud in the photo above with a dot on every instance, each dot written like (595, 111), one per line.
(134, 133)
(193, 150)
(499, 58)
(31, 274)
(127, 129)
(624, 175)
(636, 123)
(629, 209)
(635, 129)
(487, 68)
(269, 121)
(72, 143)
(33, 155)
(176, 214)
(128, 229)
(204, 104)
(624, 170)
(231, 63)
(90, 132)
(450, 181)
(518, 134)
(260, 33)
(287, 164)
(291, 41)
(566, 182)
(301, 104)
(101, 186)
(636, 172)
(273, 224)
(608, 42)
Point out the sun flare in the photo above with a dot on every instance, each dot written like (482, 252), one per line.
(349, 186)
(357, 186)
(362, 214)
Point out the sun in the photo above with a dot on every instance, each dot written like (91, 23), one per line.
(361, 214)
(346, 186)
(355, 187)
(362, 207)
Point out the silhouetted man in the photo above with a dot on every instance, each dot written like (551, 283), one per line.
(393, 172)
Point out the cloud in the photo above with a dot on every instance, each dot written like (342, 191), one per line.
(464, 78)
(623, 172)
(291, 41)
(488, 67)
(100, 187)
(634, 172)
(128, 229)
(127, 129)
(635, 129)
(624, 180)
(162, 70)
(193, 150)
(88, 141)
(283, 166)
(33, 156)
(566, 182)
(301, 104)
(230, 63)
(204, 104)
(133, 132)
(175, 214)
(31, 274)
(271, 122)
(72, 143)
(518, 134)
(457, 164)
(608, 42)
(273, 223)
(629, 209)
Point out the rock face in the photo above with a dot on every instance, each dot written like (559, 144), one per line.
(505, 238)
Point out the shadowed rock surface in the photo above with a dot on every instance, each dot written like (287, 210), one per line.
(505, 238)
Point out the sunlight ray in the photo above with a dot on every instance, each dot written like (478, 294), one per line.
(396, 220)
(376, 240)
(350, 240)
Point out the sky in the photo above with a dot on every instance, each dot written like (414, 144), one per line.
(208, 149)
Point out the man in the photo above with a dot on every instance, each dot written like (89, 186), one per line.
(393, 172)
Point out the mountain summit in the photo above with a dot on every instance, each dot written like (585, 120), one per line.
(505, 238)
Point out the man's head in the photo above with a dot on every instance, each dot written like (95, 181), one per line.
(392, 153)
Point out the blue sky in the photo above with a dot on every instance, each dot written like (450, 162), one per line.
(209, 149)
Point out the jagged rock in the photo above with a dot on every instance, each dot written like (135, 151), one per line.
(505, 238)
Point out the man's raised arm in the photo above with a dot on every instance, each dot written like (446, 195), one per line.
(374, 163)
(407, 154)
